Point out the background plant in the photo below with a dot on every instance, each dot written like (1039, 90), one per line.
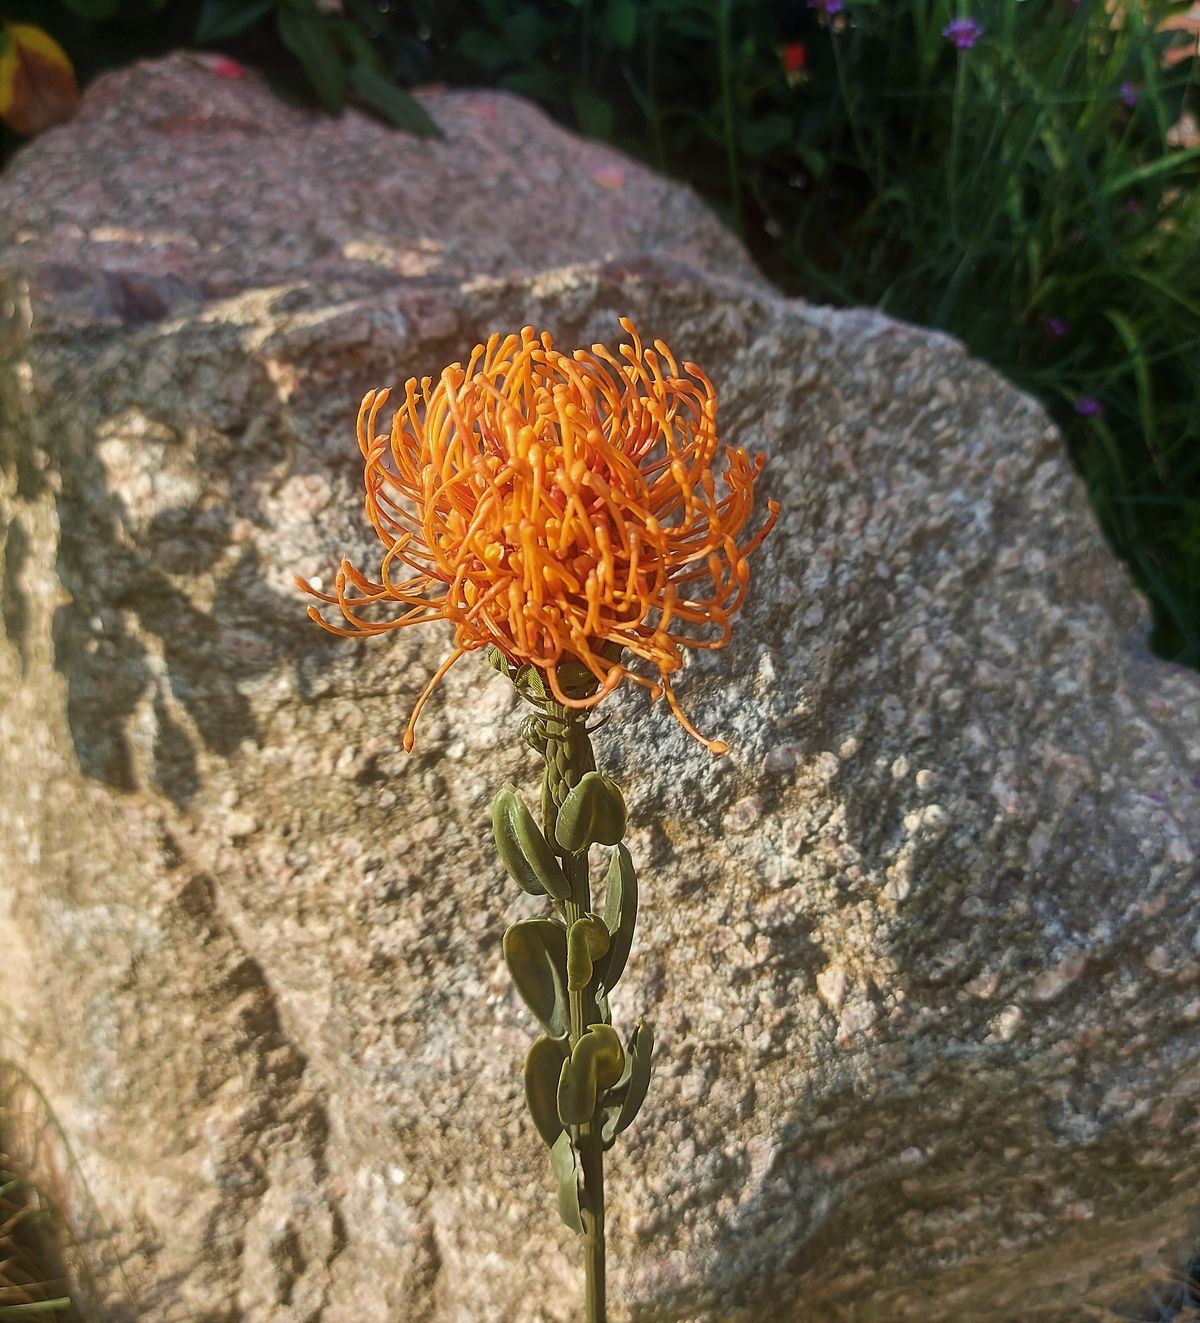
(31, 1288)
(32, 1234)
(1034, 194)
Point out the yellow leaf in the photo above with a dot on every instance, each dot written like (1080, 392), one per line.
(37, 81)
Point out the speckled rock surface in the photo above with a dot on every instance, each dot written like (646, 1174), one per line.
(921, 953)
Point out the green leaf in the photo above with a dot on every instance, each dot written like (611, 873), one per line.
(359, 47)
(525, 82)
(587, 941)
(812, 159)
(1141, 373)
(483, 50)
(1164, 165)
(620, 916)
(622, 22)
(592, 112)
(626, 1098)
(392, 102)
(367, 15)
(525, 31)
(592, 814)
(543, 1065)
(565, 1169)
(762, 136)
(303, 33)
(535, 951)
(595, 1064)
(92, 8)
(221, 19)
(524, 851)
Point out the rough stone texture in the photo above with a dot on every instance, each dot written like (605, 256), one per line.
(921, 953)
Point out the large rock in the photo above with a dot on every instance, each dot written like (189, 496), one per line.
(921, 953)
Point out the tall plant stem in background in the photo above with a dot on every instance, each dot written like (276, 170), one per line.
(568, 753)
(735, 183)
(955, 146)
(654, 114)
(864, 159)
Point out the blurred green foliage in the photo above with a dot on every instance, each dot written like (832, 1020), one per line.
(1031, 195)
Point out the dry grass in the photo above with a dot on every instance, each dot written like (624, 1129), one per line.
(56, 1254)
(32, 1236)
(32, 1288)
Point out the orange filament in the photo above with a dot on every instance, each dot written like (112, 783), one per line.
(559, 507)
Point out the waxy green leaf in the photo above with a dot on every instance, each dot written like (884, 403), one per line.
(592, 814)
(625, 1099)
(595, 1064)
(535, 951)
(587, 940)
(543, 1065)
(524, 851)
(620, 915)
(566, 1172)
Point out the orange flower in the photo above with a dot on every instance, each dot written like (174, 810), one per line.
(559, 507)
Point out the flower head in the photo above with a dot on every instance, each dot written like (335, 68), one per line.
(793, 58)
(561, 508)
(963, 32)
(830, 7)
(1129, 95)
(1087, 406)
(1056, 328)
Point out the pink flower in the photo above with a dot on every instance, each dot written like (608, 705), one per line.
(963, 32)
(224, 67)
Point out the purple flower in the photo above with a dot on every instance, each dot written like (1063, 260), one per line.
(1129, 95)
(1056, 328)
(963, 32)
(829, 7)
(1132, 207)
(1087, 406)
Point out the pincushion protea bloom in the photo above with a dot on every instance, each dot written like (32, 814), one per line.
(559, 507)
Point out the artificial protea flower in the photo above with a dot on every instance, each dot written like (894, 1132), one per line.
(561, 508)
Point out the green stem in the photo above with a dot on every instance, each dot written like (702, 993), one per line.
(960, 74)
(568, 757)
(860, 145)
(656, 128)
(726, 76)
